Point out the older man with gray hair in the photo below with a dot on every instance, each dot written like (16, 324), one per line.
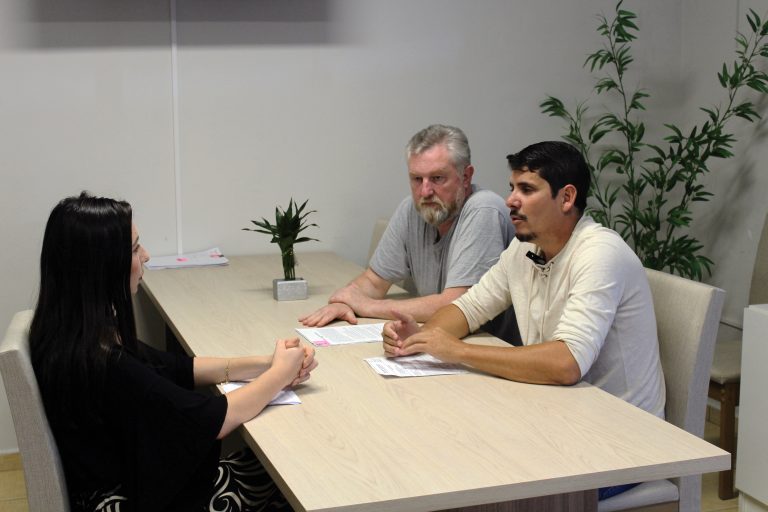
(443, 237)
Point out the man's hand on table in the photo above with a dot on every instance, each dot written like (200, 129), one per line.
(404, 337)
(397, 331)
(329, 313)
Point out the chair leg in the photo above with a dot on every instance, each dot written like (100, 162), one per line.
(728, 401)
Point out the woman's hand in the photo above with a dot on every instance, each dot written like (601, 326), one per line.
(288, 349)
(287, 360)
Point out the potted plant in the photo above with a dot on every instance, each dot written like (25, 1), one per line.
(645, 190)
(285, 233)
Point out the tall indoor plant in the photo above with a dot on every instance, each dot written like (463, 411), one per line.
(645, 190)
(289, 223)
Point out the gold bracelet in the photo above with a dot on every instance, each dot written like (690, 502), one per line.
(226, 373)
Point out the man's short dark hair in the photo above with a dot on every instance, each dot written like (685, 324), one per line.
(559, 164)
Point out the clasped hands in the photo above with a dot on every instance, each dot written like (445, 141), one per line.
(293, 360)
(404, 337)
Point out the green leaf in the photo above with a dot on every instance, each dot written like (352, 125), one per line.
(598, 59)
(595, 136)
(552, 107)
(746, 111)
(629, 24)
(753, 20)
(623, 58)
(723, 76)
(742, 42)
(636, 103)
(758, 84)
(605, 84)
(702, 196)
(611, 156)
(639, 132)
(721, 153)
(603, 29)
(713, 115)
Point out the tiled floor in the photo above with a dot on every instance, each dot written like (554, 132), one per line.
(13, 495)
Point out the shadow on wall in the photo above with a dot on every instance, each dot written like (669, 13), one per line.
(146, 22)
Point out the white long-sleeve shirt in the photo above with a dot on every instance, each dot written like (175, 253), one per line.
(593, 296)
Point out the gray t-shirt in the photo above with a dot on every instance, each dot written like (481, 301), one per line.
(411, 248)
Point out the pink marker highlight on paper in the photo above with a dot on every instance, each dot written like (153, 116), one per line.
(322, 343)
(181, 259)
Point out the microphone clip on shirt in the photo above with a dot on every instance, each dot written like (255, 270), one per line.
(539, 260)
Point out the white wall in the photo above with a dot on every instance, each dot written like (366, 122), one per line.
(282, 98)
(84, 104)
(731, 224)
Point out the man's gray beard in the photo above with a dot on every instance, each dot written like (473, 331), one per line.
(436, 216)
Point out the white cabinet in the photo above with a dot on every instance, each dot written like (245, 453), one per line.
(752, 454)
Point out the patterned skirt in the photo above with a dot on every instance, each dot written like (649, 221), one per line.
(242, 485)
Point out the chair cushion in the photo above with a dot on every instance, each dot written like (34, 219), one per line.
(726, 363)
(644, 495)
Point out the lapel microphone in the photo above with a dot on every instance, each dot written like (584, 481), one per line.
(539, 260)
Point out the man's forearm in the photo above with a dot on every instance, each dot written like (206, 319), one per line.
(450, 319)
(550, 362)
(420, 308)
(370, 285)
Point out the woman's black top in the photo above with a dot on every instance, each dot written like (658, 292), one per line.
(157, 441)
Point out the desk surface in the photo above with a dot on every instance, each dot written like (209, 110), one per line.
(360, 441)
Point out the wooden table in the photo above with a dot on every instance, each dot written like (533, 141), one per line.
(360, 441)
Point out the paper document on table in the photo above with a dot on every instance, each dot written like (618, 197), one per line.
(283, 397)
(343, 335)
(194, 259)
(421, 365)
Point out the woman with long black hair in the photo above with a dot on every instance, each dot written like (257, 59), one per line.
(132, 432)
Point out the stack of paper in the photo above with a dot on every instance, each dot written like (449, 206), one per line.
(420, 365)
(343, 334)
(194, 259)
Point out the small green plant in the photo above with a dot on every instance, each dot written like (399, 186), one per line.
(645, 191)
(285, 233)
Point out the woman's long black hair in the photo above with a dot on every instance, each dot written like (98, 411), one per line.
(84, 310)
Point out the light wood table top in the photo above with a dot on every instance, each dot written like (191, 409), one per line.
(360, 441)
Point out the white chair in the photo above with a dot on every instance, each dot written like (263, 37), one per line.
(379, 227)
(687, 318)
(378, 230)
(43, 473)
